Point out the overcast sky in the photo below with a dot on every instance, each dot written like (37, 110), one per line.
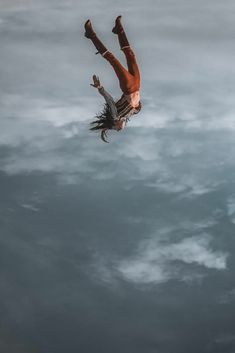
(127, 246)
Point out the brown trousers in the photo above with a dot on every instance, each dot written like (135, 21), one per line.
(129, 80)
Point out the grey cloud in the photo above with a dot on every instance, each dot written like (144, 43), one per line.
(231, 208)
(30, 207)
(228, 297)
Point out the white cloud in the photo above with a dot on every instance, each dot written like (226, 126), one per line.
(156, 262)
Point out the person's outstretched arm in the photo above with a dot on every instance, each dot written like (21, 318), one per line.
(108, 98)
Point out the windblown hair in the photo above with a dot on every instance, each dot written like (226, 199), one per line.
(104, 119)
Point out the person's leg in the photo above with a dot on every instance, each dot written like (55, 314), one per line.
(131, 62)
(125, 47)
(95, 40)
(124, 77)
(122, 74)
(119, 30)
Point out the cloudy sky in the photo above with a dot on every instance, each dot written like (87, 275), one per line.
(127, 246)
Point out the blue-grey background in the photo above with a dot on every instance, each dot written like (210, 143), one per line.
(127, 246)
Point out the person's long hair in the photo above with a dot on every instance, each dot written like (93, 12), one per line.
(104, 121)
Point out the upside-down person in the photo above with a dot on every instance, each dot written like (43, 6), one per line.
(116, 114)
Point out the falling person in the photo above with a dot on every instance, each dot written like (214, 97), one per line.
(116, 114)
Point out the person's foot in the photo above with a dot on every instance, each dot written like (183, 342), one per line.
(89, 32)
(118, 26)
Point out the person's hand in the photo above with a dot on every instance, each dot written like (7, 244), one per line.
(96, 82)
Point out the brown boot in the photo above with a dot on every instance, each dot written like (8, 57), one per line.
(89, 30)
(119, 30)
(118, 26)
(95, 40)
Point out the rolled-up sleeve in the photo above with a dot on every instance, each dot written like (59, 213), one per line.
(109, 100)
